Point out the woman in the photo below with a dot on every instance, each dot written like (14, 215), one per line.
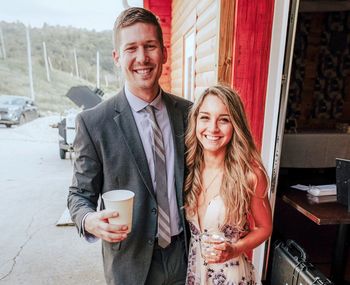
(225, 190)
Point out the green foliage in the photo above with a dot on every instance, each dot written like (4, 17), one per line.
(60, 43)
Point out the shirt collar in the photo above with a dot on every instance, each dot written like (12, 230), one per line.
(137, 104)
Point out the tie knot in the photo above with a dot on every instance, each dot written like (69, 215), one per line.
(149, 108)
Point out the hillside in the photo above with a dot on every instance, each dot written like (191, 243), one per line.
(60, 45)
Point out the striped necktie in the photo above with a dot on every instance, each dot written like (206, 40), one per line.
(164, 237)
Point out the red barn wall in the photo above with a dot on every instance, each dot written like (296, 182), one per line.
(163, 10)
(251, 55)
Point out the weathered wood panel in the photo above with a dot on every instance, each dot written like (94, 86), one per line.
(176, 64)
(199, 90)
(203, 5)
(205, 79)
(206, 63)
(207, 16)
(182, 14)
(207, 32)
(226, 35)
(201, 16)
(185, 26)
(207, 47)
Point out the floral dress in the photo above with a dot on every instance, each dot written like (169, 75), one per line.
(236, 271)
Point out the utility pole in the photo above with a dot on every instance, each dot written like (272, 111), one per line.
(50, 64)
(2, 42)
(46, 63)
(97, 69)
(29, 55)
(106, 80)
(76, 63)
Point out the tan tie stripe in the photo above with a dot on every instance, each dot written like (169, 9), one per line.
(164, 234)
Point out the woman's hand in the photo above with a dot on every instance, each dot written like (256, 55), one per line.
(222, 252)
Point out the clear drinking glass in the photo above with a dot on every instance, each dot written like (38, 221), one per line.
(207, 241)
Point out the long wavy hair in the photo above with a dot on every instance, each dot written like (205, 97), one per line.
(241, 160)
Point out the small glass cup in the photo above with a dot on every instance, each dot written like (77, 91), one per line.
(207, 241)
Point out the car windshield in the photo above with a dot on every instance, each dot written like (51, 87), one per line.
(17, 101)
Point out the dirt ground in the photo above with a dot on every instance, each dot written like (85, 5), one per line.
(33, 189)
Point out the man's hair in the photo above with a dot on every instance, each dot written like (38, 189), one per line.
(131, 17)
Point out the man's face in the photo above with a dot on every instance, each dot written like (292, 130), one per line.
(141, 58)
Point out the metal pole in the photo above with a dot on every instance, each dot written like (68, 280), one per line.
(126, 4)
(97, 69)
(50, 64)
(2, 44)
(46, 64)
(76, 63)
(29, 55)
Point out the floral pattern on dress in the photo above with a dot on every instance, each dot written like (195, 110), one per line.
(219, 279)
(236, 271)
(193, 229)
(230, 232)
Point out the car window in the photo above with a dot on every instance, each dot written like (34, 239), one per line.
(18, 101)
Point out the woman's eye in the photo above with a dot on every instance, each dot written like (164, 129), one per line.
(225, 120)
(203, 117)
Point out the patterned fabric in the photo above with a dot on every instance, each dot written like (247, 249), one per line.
(321, 67)
(164, 236)
(236, 271)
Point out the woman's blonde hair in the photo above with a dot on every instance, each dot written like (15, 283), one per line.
(241, 160)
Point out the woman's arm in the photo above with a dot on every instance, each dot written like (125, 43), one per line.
(261, 213)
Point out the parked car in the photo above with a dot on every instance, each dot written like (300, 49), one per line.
(16, 110)
(84, 98)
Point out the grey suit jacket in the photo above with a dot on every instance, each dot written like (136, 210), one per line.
(109, 155)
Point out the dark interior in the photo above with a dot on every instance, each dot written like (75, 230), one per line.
(319, 91)
(318, 102)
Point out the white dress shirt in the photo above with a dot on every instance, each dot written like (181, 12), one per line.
(142, 120)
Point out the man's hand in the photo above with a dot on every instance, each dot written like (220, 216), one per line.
(97, 224)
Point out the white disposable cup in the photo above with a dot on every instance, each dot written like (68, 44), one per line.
(121, 201)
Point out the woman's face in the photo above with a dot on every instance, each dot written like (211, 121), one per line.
(213, 126)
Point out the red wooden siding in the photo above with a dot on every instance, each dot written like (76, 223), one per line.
(251, 56)
(163, 10)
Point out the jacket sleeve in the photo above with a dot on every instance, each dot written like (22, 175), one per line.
(87, 176)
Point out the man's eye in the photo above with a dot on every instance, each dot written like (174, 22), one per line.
(130, 49)
(150, 46)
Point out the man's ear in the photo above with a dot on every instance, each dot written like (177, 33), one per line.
(115, 55)
(165, 54)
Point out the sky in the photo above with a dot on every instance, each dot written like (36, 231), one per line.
(96, 15)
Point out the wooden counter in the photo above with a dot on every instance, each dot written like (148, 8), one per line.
(325, 214)
(321, 214)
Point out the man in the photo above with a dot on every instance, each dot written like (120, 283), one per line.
(135, 141)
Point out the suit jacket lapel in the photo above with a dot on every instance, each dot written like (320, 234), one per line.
(128, 129)
(177, 127)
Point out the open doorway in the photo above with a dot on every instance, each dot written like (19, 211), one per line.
(314, 119)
